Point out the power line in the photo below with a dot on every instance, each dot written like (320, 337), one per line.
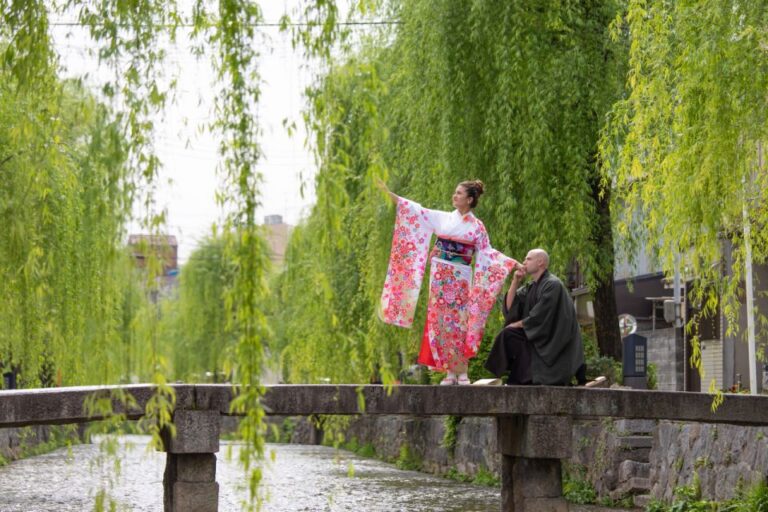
(258, 25)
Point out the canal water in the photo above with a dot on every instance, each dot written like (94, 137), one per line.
(301, 478)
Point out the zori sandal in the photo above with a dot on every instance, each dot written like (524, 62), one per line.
(450, 380)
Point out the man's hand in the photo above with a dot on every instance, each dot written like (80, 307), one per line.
(515, 325)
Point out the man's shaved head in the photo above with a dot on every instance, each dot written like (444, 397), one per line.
(541, 255)
(536, 262)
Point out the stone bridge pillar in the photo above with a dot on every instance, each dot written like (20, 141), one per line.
(189, 483)
(531, 450)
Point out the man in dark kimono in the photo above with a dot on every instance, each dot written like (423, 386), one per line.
(541, 343)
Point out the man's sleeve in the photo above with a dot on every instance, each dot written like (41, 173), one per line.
(514, 313)
(541, 321)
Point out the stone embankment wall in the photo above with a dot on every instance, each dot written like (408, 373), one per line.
(475, 448)
(419, 439)
(13, 441)
(725, 457)
(619, 457)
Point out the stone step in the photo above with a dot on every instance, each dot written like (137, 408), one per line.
(635, 442)
(641, 500)
(631, 468)
(632, 487)
(637, 455)
(637, 485)
(635, 426)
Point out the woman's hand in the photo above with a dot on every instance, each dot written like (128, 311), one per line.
(518, 274)
(383, 187)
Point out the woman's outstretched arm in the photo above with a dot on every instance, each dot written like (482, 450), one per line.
(383, 187)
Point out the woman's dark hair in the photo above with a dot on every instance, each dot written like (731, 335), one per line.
(474, 190)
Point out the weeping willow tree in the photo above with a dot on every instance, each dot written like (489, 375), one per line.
(512, 93)
(326, 294)
(518, 95)
(201, 341)
(195, 325)
(63, 199)
(128, 39)
(684, 148)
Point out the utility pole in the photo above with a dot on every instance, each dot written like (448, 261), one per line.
(682, 362)
(748, 283)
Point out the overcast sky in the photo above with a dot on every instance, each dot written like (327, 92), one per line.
(188, 178)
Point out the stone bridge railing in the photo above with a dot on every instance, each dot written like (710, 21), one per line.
(534, 424)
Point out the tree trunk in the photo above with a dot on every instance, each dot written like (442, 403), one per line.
(606, 316)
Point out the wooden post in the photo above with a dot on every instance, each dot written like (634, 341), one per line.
(189, 482)
(531, 450)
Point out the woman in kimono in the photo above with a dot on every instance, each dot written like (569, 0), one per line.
(459, 300)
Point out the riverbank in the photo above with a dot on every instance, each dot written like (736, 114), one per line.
(460, 449)
(23, 442)
(614, 462)
(295, 477)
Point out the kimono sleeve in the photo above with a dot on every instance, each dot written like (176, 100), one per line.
(491, 269)
(414, 226)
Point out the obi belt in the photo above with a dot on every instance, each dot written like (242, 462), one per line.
(453, 251)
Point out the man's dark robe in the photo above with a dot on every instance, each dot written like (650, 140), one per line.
(549, 320)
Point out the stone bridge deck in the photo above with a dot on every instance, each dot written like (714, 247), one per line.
(534, 424)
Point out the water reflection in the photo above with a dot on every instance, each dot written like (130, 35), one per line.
(302, 478)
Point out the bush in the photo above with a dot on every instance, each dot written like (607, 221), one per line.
(451, 424)
(652, 376)
(363, 450)
(576, 487)
(688, 499)
(606, 366)
(579, 491)
(486, 478)
(757, 499)
(407, 459)
(598, 365)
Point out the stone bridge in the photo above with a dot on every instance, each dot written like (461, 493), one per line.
(534, 424)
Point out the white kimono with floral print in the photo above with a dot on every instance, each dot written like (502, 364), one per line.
(459, 302)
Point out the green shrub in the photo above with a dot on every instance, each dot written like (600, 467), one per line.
(486, 478)
(579, 491)
(482, 477)
(653, 373)
(688, 499)
(606, 366)
(363, 450)
(455, 474)
(451, 424)
(407, 459)
(366, 450)
(756, 500)
(576, 487)
(597, 364)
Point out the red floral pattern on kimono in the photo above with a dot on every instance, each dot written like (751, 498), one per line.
(459, 303)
